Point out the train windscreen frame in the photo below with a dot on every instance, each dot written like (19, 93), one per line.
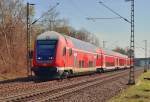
(45, 50)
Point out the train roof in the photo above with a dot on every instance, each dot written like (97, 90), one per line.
(48, 35)
(110, 52)
(121, 55)
(82, 44)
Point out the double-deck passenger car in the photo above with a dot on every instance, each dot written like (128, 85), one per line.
(61, 55)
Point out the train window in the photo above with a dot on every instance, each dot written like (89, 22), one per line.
(64, 51)
(70, 51)
(97, 57)
(94, 62)
(82, 63)
(90, 64)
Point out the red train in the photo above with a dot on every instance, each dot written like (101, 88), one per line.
(57, 54)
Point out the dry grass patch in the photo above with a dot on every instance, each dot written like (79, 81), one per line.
(137, 93)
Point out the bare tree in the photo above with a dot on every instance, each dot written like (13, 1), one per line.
(49, 19)
(12, 35)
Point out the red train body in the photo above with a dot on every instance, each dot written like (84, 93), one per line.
(57, 54)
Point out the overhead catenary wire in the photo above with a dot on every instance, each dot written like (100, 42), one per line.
(45, 13)
(100, 2)
(92, 18)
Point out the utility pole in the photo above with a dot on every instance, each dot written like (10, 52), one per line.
(132, 56)
(149, 60)
(28, 41)
(45, 14)
(145, 67)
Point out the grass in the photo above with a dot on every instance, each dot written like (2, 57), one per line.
(137, 93)
(7, 76)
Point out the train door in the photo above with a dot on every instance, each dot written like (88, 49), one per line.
(67, 57)
(64, 56)
(104, 61)
(95, 61)
(117, 62)
(75, 60)
(126, 62)
(70, 57)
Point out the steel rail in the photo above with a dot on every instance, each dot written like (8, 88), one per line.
(55, 91)
(77, 88)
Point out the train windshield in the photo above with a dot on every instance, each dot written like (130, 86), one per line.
(46, 49)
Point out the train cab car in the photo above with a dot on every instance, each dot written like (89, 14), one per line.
(48, 53)
(57, 54)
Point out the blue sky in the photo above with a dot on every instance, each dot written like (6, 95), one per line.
(115, 32)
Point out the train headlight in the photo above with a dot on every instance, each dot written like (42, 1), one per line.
(39, 58)
(50, 58)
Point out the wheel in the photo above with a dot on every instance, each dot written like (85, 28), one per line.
(100, 70)
(65, 75)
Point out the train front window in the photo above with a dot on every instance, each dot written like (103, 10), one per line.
(46, 49)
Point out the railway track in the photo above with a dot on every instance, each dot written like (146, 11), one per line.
(6, 89)
(50, 93)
